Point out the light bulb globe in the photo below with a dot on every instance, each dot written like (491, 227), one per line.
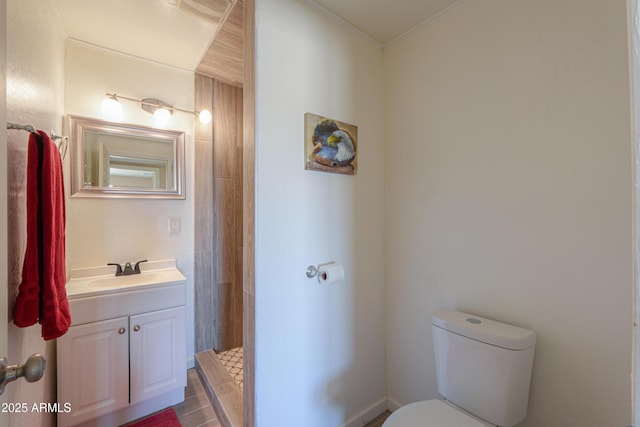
(162, 116)
(205, 116)
(111, 109)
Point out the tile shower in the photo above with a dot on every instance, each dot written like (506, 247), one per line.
(218, 217)
(218, 246)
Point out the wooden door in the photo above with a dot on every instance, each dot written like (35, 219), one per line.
(4, 303)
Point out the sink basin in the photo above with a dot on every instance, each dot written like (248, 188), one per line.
(131, 280)
(93, 281)
(96, 294)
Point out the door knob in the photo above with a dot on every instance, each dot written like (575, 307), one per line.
(32, 370)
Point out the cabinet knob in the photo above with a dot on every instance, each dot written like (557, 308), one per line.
(121, 331)
(136, 328)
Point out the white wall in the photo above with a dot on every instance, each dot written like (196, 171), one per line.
(509, 195)
(319, 349)
(34, 95)
(120, 230)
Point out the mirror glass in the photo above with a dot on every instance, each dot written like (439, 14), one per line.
(122, 160)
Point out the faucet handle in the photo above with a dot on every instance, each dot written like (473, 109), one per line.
(118, 268)
(136, 269)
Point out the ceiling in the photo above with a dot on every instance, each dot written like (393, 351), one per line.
(384, 20)
(169, 32)
(224, 60)
(159, 30)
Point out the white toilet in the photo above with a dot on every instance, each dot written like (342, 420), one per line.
(483, 371)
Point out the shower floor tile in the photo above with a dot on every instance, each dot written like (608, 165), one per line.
(232, 361)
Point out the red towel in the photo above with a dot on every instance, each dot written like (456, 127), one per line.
(42, 296)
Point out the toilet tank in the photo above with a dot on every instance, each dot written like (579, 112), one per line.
(483, 366)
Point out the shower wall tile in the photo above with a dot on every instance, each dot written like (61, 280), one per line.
(224, 226)
(239, 269)
(204, 286)
(226, 129)
(218, 215)
(221, 316)
(204, 301)
(228, 317)
(238, 123)
(237, 194)
(235, 325)
(204, 190)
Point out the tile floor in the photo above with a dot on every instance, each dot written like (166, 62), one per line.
(379, 420)
(196, 410)
(232, 360)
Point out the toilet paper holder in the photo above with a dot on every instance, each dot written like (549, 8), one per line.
(313, 271)
(330, 272)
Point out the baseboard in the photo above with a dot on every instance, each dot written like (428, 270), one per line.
(393, 404)
(367, 414)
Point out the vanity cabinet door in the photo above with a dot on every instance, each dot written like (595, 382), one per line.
(157, 353)
(93, 369)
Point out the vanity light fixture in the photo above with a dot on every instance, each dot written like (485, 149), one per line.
(111, 108)
(160, 109)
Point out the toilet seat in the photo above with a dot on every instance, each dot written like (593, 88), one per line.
(431, 413)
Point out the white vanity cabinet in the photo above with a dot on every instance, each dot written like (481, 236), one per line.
(114, 370)
(157, 353)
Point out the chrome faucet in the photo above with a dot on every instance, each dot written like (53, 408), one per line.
(128, 269)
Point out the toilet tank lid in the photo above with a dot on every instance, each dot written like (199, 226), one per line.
(484, 330)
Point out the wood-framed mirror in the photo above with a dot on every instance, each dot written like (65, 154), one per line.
(125, 160)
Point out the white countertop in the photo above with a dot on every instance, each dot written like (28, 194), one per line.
(102, 280)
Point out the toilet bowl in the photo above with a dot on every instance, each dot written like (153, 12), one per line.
(433, 413)
(483, 372)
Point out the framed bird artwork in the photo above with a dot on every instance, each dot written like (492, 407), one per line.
(330, 145)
